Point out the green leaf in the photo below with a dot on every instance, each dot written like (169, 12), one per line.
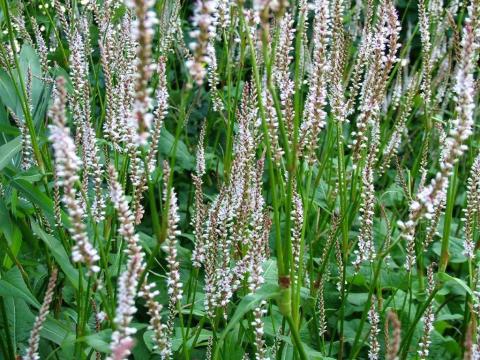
(270, 271)
(446, 278)
(58, 253)
(9, 150)
(13, 285)
(32, 175)
(455, 249)
(100, 341)
(35, 196)
(12, 234)
(312, 354)
(55, 331)
(183, 157)
(8, 95)
(250, 302)
(20, 318)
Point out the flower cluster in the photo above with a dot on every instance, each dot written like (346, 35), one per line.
(374, 319)
(281, 71)
(198, 254)
(257, 323)
(170, 197)
(28, 159)
(428, 317)
(128, 281)
(314, 113)
(154, 311)
(366, 246)
(67, 166)
(391, 149)
(426, 51)
(473, 188)
(159, 116)
(297, 221)
(204, 20)
(381, 54)
(34, 342)
(142, 32)
(392, 345)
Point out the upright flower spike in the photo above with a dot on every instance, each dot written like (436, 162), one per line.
(382, 53)
(81, 114)
(366, 245)
(111, 107)
(159, 117)
(18, 22)
(374, 319)
(42, 49)
(392, 344)
(314, 113)
(28, 159)
(423, 15)
(171, 30)
(159, 114)
(428, 317)
(122, 341)
(272, 124)
(257, 323)
(138, 115)
(61, 11)
(213, 80)
(198, 254)
(281, 71)
(322, 318)
(393, 144)
(33, 343)
(142, 30)
(260, 228)
(79, 75)
(224, 16)
(297, 220)
(154, 311)
(174, 285)
(338, 63)
(204, 22)
(67, 166)
(471, 211)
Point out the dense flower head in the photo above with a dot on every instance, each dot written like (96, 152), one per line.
(34, 342)
(67, 167)
(203, 21)
(128, 281)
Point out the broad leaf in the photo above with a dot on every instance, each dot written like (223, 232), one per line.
(9, 150)
(58, 253)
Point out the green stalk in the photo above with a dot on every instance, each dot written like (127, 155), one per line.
(182, 327)
(444, 254)
(296, 339)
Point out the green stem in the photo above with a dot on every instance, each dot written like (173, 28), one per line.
(444, 254)
(296, 339)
